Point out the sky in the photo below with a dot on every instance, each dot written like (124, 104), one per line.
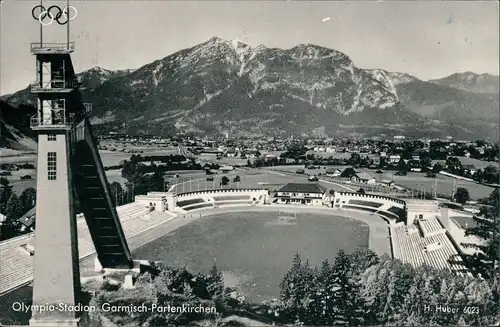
(428, 39)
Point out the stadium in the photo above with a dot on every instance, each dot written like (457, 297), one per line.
(250, 228)
(173, 226)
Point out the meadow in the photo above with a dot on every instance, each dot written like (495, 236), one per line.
(412, 180)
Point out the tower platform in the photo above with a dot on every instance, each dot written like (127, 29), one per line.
(39, 48)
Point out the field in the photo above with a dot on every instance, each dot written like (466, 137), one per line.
(479, 164)
(249, 179)
(413, 180)
(253, 249)
(113, 158)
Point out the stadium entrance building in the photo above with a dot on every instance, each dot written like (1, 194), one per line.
(301, 193)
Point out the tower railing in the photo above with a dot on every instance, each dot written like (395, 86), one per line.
(43, 47)
(51, 122)
(61, 121)
(55, 85)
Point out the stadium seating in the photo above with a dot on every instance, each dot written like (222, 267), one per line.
(435, 250)
(430, 227)
(396, 210)
(365, 203)
(228, 203)
(231, 197)
(390, 217)
(189, 202)
(16, 266)
(198, 206)
(371, 210)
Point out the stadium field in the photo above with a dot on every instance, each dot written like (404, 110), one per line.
(255, 249)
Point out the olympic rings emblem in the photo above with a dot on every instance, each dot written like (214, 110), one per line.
(53, 13)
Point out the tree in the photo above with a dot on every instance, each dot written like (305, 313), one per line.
(346, 299)
(14, 208)
(116, 193)
(296, 289)
(462, 195)
(382, 162)
(348, 172)
(486, 260)
(5, 193)
(215, 282)
(4, 182)
(13, 211)
(237, 179)
(361, 191)
(437, 167)
(402, 165)
(224, 180)
(355, 159)
(28, 199)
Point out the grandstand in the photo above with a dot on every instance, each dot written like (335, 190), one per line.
(418, 229)
(426, 245)
(427, 242)
(17, 263)
(391, 209)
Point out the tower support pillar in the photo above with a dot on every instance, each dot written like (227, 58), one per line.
(56, 274)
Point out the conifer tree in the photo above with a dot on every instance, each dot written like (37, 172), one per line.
(215, 282)
(13, 210)
(28, 198)
(341, 271)
(289, 285)
(322, 305)
(486, 261)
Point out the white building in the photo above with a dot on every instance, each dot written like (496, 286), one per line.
(364, 178)
(301, 193)
(333, 172)
(394, 158)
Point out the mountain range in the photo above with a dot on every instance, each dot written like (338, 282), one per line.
(230, 87)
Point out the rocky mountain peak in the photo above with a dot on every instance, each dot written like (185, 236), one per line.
(228, 85)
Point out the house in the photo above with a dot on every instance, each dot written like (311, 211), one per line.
(471, 169)
(231, 153)
(226, 169)
(210, 155)
(269, 156)
(311, 194)
(394, 159)
(364, 178)
(333, 172)
(251, 153)
(387, 182)
(28, 220)
(415, 155)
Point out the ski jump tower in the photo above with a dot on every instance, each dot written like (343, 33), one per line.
(68, 165)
